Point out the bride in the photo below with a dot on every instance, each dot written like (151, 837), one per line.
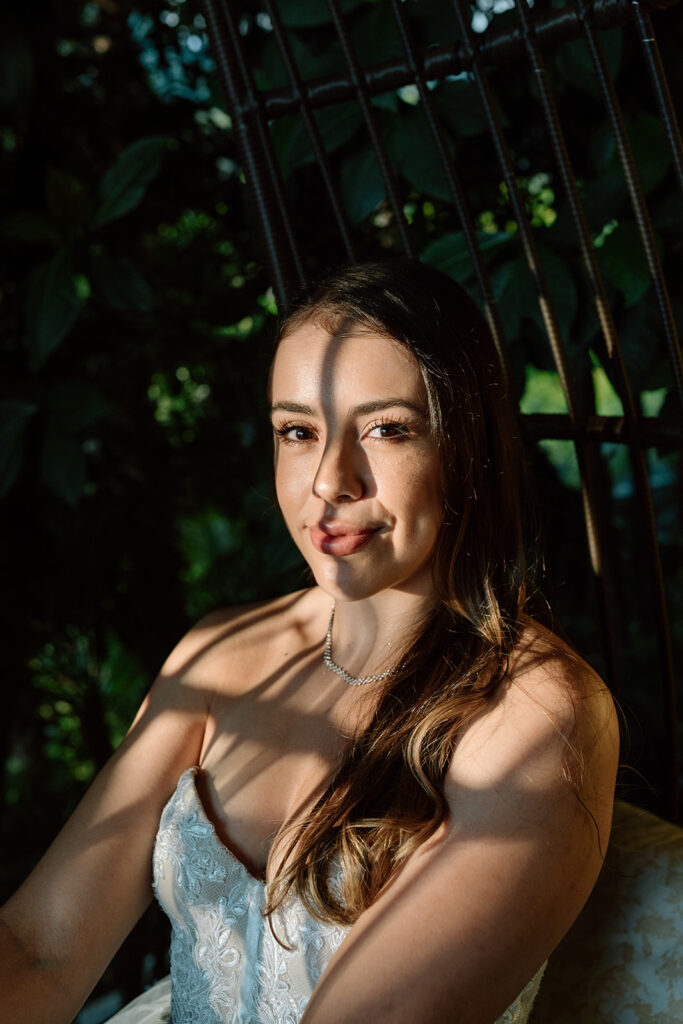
(385, 797)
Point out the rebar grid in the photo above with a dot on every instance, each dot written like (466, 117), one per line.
(535, 34)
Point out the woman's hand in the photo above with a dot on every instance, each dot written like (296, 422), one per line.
(473, 915)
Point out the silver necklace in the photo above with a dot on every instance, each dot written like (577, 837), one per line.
(330, 663)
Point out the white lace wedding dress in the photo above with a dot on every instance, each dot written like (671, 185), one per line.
(226, 965)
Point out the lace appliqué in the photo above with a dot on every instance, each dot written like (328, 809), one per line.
(226, 965)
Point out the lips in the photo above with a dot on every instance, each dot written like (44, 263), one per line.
(336, 538)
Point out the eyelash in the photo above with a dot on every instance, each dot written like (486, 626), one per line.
(404, 431)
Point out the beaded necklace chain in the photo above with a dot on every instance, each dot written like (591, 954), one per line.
(330, 663)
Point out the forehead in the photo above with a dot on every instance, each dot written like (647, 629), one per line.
(315, 365)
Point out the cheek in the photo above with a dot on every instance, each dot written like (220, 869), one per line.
(420, 489)
(288, 485)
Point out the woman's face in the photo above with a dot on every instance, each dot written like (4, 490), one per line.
(356, 466)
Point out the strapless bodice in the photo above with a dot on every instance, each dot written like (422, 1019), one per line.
(227, 966)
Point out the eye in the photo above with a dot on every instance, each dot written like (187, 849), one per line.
(390, 430)
(294, 433)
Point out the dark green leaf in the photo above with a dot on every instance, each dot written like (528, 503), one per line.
(386, 101)
(460, 107)
(604, 199)
(16, 68)
(14, 417)
(66, 199)
(362, 184)
(121, 284)
(667, 216)
(126, 181)
(623, 261)
(562, 290)
(30, 226)
(574, 62)
(375, 36)
(517, 293)
(438, 20)
(650, 150)
(514, 291)
(309, 13)
(415, 154)
(74, 404)
(272, 73)
(52, 305)
(639, 334)
(450, 253)
(63, 463)
(337, 124)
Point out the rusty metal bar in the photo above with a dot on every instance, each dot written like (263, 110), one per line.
(585, 459)
(650, 431)
(363, 97)
(637, 196)
(660, 85)
(638, 456)
(260, 166)
(314, 132)
(499, 46)
(639, 463)
(528, 241)
(456, 189)
(251, 110)
(247, 145)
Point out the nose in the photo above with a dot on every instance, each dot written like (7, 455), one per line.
(339, 476)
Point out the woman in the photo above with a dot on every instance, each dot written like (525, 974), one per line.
(421, 773)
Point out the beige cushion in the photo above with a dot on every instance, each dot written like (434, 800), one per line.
(622, 962)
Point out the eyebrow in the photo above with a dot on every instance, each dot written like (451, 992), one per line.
(363, 409)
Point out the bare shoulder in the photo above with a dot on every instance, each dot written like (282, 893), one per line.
(548, 740)
(227, 650)
(547, 679)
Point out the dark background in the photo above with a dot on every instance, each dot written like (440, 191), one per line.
(135, 326)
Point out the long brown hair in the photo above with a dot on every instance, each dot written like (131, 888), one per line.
(387, 795)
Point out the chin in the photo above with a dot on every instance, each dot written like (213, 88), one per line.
(344, 584)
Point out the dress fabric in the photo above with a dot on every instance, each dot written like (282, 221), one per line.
(227, 967)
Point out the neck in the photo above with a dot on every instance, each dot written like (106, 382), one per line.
(370, 635)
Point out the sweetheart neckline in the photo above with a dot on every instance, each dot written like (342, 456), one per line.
(230, 853)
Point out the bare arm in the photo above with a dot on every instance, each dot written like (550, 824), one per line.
(473, 915)
(61, 928)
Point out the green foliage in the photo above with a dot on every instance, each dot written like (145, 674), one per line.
(136, 315)
(450, 253)
(362, 184)
(52, 305)
(14, 418)
(337, 124)
(623, 261)
(125, 183)
(311, 13)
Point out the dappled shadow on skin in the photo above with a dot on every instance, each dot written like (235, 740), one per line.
(491, 820)
(268, 731)
(477, 909)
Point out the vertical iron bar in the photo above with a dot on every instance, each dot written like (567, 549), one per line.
(588, 489)
(637, 197)
(653, 60)
(510, 178)
(631, 407)
(248, 146)
(358, 79)
(456, 189)
(252, 105)
(606, 320)
(301, 96)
